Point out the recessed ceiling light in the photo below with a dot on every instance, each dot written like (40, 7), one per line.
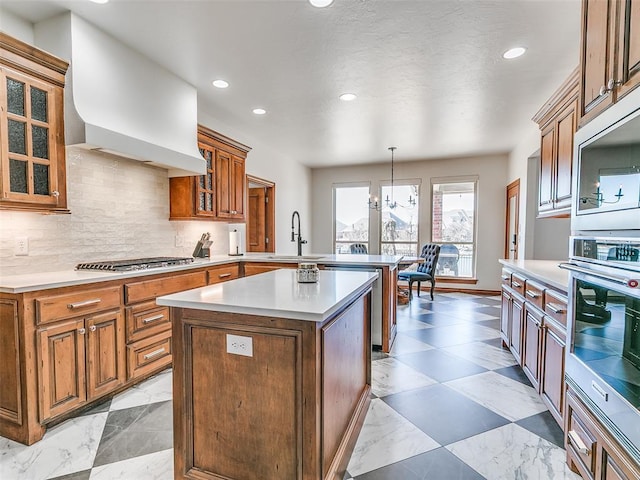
(220, 84)
(259, 111)
(100, 1)
(320, 3)
(514, 52)
(347, 97)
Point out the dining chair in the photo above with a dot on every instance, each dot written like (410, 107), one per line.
(426, 271)
(358, 248)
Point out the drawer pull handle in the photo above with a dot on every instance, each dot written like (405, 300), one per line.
(505, 277)
(82, 331)
(153, 319)
(155, 353)
(224, 275)
(532, 294)
(515, 284)
(600, 391)
(92, 328)
(555, 308)
(86, 303)
(577, 442)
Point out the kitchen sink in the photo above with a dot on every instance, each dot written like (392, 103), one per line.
(294, 257)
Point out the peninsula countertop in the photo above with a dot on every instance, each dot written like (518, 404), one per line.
(545, 271)
(35, 281)
(277, 294)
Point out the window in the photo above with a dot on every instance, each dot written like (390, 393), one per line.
(399, 225)
(453, 226)
(350, 216)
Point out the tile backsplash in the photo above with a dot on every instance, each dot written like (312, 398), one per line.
(119, 209)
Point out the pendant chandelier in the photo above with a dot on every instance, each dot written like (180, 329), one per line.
(390, 202)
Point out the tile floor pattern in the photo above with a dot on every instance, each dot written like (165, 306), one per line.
(447, 403)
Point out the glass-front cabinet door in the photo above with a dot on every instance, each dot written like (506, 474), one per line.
(205, 190)
(29, 153)
(32, 149)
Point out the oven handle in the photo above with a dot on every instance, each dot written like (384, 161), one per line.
(627, 282)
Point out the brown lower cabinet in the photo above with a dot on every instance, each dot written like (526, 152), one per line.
(291, 409)
(62, 349)
(591, 449)
(533, 326)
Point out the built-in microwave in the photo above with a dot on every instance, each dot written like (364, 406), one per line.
(607, 170)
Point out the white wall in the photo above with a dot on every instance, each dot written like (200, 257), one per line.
(16, 26)
(518, 169)
(491, 171)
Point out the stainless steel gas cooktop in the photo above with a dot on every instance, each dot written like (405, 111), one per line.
(134, 264)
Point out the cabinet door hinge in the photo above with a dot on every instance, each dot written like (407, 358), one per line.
(266, 240)
(266, 199)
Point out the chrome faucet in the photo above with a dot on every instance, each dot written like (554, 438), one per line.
(294, 234)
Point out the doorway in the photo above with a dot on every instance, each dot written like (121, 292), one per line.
(513, 217)
(261, 215)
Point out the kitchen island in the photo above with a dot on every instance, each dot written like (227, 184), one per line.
(271, 376)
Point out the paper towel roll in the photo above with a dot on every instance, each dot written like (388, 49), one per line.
(234, 243)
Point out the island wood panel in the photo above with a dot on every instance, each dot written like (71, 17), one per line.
(345, 341)
(306, 409)
(10, 393)
(250, 423)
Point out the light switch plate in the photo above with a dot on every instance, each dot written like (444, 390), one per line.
(239, 345)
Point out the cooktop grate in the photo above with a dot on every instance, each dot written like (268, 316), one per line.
(134, 264)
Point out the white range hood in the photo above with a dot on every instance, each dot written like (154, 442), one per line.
(120, 102)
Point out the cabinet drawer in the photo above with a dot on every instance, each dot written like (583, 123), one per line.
(555, 305)
(581, 441)
(506, 278)
(145, 356)
(146, 319)
(518, 283)
(150, 289)
(222, 274)
(59, 307)
(534, 293)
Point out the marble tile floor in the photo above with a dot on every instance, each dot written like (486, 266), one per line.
(447, 403)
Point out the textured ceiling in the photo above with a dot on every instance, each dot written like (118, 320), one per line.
(429, 75)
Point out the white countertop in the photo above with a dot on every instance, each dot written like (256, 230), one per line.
(546, 271)
(277, 294)
(30, 282)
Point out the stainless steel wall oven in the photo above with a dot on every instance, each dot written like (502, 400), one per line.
(603, 362)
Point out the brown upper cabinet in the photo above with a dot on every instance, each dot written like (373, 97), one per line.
(558, 123)
(32, 156)
(610, 54)
(220, 193)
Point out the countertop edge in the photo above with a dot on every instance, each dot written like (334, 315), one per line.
(542, 271)
(170, 301)
(89, 277)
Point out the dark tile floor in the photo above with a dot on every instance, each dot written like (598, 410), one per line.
(448, 403)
